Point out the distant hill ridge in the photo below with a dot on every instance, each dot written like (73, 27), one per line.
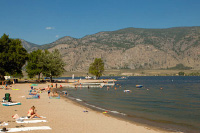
(130, 48)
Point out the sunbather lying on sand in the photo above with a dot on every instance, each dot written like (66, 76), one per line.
(32, 113)
(54, 94)
(33, 93)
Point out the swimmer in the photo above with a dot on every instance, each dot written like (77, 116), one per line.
(108, 88)
(65, 93)
(60, 86)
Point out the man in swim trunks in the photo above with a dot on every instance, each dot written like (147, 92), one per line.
(49, 91)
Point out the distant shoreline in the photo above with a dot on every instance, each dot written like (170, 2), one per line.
(131, 72)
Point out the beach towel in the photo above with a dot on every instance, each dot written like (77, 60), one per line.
(31, 94)
(34, 97)
(25, 117)
(29, 121)
(3, 124)
(15, 89)
(54, 97)
(27, 129)
(10, 104)
(33, 84)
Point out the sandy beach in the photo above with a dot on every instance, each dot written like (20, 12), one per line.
(64, 115)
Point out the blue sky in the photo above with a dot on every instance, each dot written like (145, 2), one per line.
(44, 21)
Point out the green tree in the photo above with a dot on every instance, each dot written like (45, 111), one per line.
(181, 74)
(34, 66)
(97, 67)
(53, 65)
(12, 56)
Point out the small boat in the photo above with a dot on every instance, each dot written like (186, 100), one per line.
(127, 90)
(139, 86)
(122, 77)
(88, 77)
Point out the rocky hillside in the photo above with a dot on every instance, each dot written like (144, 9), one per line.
(29, 46)
(132, 48)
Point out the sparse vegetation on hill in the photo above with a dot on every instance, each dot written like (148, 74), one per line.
(180, 67)
(132, 48)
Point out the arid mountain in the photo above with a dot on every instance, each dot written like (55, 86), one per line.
(29, 46)
(132, 48)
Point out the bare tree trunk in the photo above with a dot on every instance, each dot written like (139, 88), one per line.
(39, 77)
(50, 78)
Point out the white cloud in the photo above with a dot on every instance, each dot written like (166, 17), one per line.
(50, 28)
(57, 36)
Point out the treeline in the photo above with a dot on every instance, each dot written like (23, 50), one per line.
(13, 57)
(189, 74)
(180, 67)
(46, 63)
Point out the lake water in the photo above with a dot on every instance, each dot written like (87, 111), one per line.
(170, 102)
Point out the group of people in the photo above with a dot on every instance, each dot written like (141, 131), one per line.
(6, 86)
(51, 91)
(32, 112)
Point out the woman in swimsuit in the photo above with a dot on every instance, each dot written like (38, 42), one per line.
(32, 113)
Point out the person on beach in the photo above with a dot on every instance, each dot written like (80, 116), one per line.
(60, 86)
(33, 92)
(55, 94)
(32, 113)
(65, 93)
(41, 89)
(49, 91)
(75, 87)
(6, 86)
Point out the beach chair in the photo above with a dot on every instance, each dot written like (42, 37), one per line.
(7, 97)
